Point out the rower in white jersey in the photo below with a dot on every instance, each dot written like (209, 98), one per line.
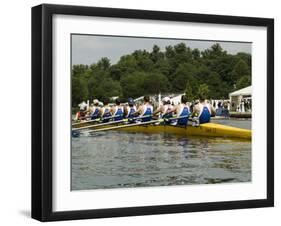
(145, 110)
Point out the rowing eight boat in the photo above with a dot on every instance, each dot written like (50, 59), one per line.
(207, 129)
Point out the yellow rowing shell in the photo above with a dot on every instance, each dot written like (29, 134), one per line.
(207, 129)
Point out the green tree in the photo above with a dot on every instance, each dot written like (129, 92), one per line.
(79, 69)
(104, 89)
(79, 90)
(184, 74)
(115, 72)
(170, 53)
(143, 60)
(132, 84)
(162, 66)
(154, 83)
(195, 54)
(240, 69)
(156, 54)
(243, 82)
(177, 69)
(189, 92)
(104, 63)
(127, 64)
(203, 90)
(214, 52)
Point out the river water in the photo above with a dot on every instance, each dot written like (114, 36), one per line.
(115, 159)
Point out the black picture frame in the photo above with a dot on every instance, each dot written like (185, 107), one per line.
(42, 111)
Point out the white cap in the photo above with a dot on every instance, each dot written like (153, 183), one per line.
(166, 99)
(82, 105)
(96, 101)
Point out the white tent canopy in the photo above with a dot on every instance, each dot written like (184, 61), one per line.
(240, 98)
(242, 92)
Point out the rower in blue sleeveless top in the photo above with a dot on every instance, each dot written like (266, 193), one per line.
(130, 110)
(105, 111)
(95, 111)
(182, 112)
(145, 110)
(166, 109)
(204, 110)
(205, 113)
(117, 111)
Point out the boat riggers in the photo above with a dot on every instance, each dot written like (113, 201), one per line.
(127, 125)
(108, 123)
(131, 125)
(94, 120)
(172, 119)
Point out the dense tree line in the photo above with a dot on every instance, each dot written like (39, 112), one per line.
(178, 69)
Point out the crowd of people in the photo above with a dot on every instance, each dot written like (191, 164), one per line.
(222, 108)
(176, 115)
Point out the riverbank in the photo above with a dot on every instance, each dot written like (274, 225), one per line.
(240, 114)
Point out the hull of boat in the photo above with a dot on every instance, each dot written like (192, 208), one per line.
(208, 129)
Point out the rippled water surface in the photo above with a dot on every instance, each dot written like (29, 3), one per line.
(115, 159)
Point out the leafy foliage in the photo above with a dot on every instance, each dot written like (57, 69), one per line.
(203, 90)
(177, 69)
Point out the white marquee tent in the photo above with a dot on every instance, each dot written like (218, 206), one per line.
(238, 98)
(247, 91)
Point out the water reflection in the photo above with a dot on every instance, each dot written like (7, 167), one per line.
(118, 159)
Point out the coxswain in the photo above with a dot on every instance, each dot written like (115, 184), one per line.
(182, 112)
(105, 111)
(95, 110)
(145, 111)
(166, 109)
(81, 114)
(203, 110)
(117, 111)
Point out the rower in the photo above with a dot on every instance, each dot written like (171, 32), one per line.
(130, 109)
(145, 110)
(182, 111)
(105, 111)
(203, 110)
(117, 111)
(81, 114)
(95, 110)
(166, 110)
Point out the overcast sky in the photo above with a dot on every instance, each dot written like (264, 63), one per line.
(88, 49)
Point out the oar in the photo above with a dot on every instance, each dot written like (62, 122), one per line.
(127, 125)
(135, 124)
(94, 120)
(109, 123)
